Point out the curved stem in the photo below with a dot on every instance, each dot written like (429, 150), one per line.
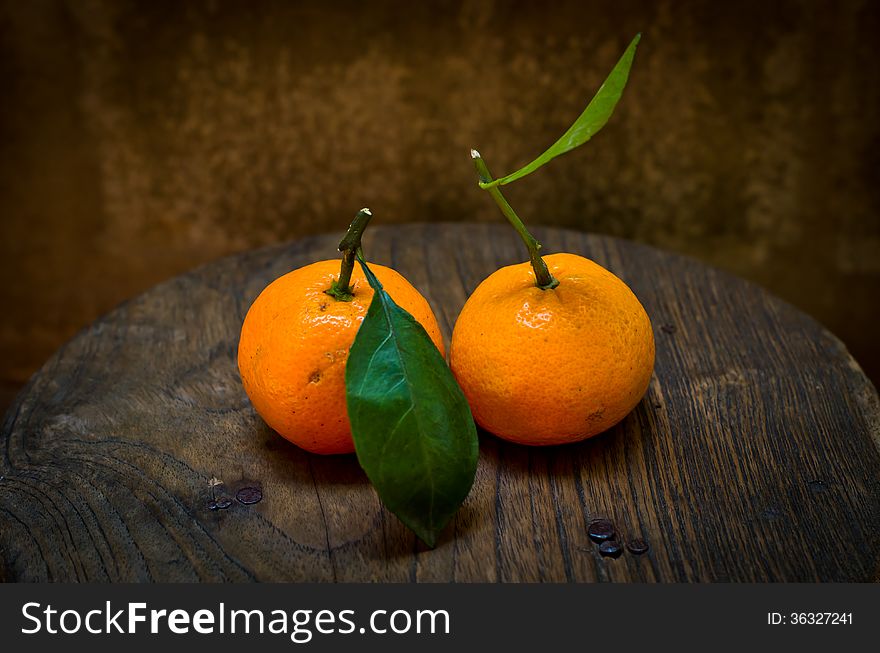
(350, 245)
(543, 279)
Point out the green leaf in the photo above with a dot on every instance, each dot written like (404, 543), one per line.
(593, 118)
(412, 427)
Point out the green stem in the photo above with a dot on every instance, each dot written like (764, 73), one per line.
(543, 279)
(340, 289)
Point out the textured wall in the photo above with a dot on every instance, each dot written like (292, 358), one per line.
(138, 139)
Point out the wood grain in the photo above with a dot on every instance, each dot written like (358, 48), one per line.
(755, 455)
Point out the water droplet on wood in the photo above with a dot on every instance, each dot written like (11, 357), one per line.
(249, 495)
(601, 530)
(610, 548)
(637, 546)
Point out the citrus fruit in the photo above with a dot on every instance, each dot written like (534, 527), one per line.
(544, 367)
(294, 345)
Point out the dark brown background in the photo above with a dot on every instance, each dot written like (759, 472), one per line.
(139, 139)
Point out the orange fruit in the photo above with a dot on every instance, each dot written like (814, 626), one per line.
(544, 367)
(294, 345)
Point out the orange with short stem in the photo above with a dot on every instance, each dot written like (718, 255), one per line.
(551, 351)
(295, 340)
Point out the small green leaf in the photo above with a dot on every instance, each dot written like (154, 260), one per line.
(412, 427)
(593, 118)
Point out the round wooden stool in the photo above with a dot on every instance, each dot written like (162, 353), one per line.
(134, 454)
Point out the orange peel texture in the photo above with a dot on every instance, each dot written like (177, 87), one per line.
(543, 367)
(294, 345)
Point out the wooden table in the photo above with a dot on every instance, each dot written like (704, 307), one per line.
(753, 457)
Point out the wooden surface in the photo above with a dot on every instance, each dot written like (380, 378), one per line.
(753, 457)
